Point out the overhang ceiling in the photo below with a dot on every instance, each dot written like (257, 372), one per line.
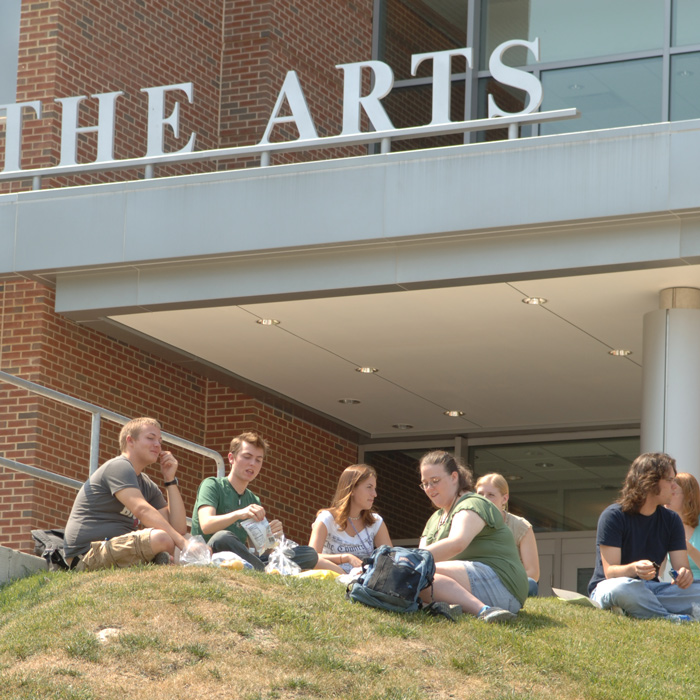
(508, 366)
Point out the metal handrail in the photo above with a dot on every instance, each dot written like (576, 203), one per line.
(384, 138)
(97, 414)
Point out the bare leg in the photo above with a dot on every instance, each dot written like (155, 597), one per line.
(161, 542)
(447, 590)
(454, 570)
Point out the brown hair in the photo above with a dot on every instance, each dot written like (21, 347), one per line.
(643, 478)
(450, 464)
(690, 512)
(349, 480)
(252, 439)
(133, 429)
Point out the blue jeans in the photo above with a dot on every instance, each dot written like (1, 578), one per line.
(225, 541)
(647, 599)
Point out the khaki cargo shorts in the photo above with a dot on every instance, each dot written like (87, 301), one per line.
(125, 550)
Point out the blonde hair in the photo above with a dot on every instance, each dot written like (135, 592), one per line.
(690, 511)
(133, 429)
(349, 480)
(498, 480)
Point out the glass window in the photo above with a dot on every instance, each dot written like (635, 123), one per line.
(9, 49)
(412, 106)
(686, 22)
(608, 95)
(559, 486)
(570, 30)
(685, 86)
(411, 27)
(507, 98)
(400, 500)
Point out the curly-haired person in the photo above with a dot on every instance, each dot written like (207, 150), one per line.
(635, 535)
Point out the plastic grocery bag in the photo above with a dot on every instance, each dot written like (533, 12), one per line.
(280, 560)
(230, 560)
(196, 553)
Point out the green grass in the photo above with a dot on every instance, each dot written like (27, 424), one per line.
(194, 632)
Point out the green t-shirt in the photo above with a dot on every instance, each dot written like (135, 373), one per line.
(493, 546)
(217, 492)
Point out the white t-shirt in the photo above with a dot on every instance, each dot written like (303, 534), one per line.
(340, 542)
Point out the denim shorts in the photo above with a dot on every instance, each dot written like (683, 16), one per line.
(488, 588)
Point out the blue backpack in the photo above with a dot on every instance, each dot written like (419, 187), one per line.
(393, 578)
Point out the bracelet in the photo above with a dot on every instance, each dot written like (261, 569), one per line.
(174, 482)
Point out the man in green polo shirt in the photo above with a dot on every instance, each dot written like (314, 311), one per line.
(224, 502)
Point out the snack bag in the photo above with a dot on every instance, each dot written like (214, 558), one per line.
(280, 559)
(259, 533)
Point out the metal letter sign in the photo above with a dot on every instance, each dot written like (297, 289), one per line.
(291, 94)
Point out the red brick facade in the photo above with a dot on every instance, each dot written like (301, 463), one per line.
(299, 475)
(236, 53)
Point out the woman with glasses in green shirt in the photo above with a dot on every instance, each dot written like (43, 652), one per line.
(470, 542)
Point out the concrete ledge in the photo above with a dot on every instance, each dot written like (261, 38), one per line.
(14, 565)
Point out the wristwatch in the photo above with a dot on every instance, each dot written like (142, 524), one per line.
(174, 482)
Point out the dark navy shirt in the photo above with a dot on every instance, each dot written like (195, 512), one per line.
(638, 536)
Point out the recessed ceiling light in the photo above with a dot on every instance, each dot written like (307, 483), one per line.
(453, 414)
(348, 401)
(576, 87)
(620, 353)
(402, 426)
(534, 301)
(513, 477)
(366, 370)
(684, 73)
(268, 322)
(544, 465)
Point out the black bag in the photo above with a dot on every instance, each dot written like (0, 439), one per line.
(49, 545)
(393, 578)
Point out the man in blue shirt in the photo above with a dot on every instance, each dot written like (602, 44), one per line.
(634, 537)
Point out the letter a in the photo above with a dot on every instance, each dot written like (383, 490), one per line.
(292, 92)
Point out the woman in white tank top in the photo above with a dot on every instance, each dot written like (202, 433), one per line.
(350, 530)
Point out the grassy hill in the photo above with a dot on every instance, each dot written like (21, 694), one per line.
(171, 632)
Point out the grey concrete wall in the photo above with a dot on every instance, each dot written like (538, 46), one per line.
(14, 565)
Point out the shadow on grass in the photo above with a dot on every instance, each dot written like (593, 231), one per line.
(536, 620)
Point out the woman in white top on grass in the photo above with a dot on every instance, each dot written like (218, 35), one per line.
(350, 530)
(495, 488)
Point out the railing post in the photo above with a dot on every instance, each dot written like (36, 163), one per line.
(36, 182)
(264, 159)
(512, 130)
(95, 442)
(148, 172)
(386, 145)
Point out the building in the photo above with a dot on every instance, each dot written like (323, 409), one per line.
(155, 288)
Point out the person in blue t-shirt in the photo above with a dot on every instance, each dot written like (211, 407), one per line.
(634, 537)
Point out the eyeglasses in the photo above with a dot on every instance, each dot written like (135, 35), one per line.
(430, 482)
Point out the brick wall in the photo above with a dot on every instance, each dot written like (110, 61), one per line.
(400, 500)
(85, 48)
(264, 40)
(235, 52)
(37, 344)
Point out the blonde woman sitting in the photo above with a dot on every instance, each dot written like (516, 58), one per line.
(350, 529)
(495, 488)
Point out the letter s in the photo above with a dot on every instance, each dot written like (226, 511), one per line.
(515, 78)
